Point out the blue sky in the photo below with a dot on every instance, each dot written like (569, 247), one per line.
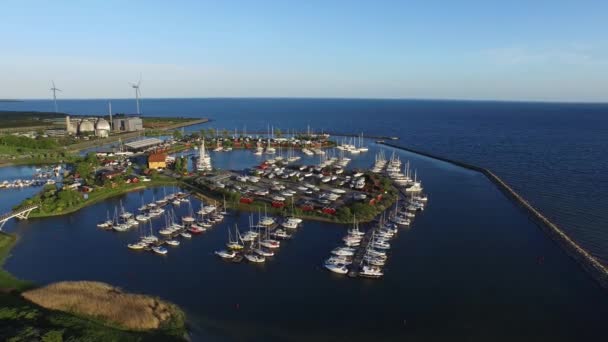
(506, 50)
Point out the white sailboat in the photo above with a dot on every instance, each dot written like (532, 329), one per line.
(361, 147)
(107, 223)
(237, 243)
(204, 160)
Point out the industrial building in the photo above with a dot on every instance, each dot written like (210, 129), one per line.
(143, 144)
(99, 127)
(127, 124)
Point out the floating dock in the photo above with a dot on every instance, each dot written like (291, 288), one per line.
(358, 258)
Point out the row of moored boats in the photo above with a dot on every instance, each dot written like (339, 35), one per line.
(260, 241)
(363, 253)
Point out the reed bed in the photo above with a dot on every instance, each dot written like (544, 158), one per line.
(107, 303)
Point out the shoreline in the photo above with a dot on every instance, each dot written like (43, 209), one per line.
(104, 197)
(590, 264)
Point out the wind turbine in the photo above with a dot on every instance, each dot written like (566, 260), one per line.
(137, 92)
(55, 90)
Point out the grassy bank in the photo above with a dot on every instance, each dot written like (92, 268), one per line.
(7, 281)
(96, 196)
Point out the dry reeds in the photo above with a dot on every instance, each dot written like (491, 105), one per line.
(104, 302)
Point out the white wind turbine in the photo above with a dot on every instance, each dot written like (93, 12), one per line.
(54, 90)
(137, 93)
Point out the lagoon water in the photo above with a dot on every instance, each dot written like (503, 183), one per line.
(472, 267)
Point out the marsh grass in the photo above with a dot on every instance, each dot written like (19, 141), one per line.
(109, 304)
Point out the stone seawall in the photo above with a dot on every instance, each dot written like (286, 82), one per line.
(597, 270)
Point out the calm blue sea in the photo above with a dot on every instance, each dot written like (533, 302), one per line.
(555, 154)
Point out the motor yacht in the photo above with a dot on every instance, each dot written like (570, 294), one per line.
(369, 271)
(226, 254)
(159, 250)
(336, 268)
(255, 258)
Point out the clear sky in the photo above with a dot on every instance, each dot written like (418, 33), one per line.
(465, 49)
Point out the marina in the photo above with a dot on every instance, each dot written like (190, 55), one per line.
(172, 231)
(41, 176)
(432, 242)
(271, 171)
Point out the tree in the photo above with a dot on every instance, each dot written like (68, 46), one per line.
(178, 164)
(344, 214)
(210, 132)
(363, 210)
(177, 134)
(225, 133)
(203, 133)
(278, 133)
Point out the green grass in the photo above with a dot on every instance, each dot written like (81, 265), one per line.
(101, 194)
(7, 280)
(12, 150)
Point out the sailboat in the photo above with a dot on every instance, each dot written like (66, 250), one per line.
(159, 250)
(226, 254)
(255, 258)
(291, 221)
(189, 219)
(270, 243)
(261, 251)
(143, 207)
(137, 246)
(361, 147)
(142, 217)
(266, 220)
(125, 215)
(269, 148)
(107, 223)
(336, 268)
(224, 208)
(117, 225)
(204, 160)
(259, 150)
(237, 244)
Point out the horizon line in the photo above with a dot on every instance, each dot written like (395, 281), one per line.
(599, 102)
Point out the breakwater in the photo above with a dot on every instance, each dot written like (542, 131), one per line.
(597, 270)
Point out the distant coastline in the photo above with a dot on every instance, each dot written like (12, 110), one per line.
(330, 98)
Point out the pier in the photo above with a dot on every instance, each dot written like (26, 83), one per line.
(590, 264)
(358, 258)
